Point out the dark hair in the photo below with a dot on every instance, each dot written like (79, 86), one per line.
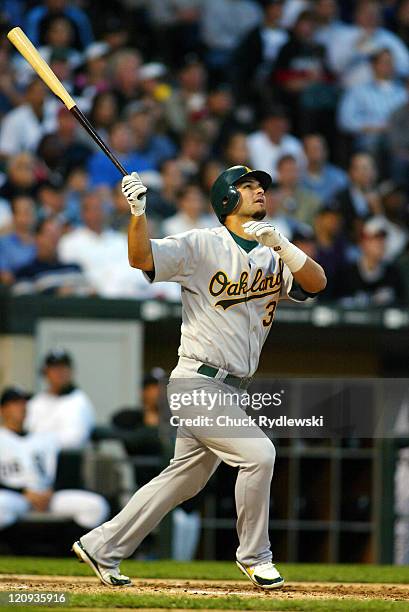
(20, 196)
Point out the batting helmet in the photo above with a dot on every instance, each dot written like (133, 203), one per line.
(224, 194)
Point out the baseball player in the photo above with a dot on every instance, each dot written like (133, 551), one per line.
(28, 464)
(232, 278)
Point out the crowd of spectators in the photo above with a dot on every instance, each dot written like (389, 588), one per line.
(315, 92)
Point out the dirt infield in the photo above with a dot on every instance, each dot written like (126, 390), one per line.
(211, 588)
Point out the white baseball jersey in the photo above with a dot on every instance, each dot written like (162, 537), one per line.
(27, 461)
(70, 416)
(229, 296)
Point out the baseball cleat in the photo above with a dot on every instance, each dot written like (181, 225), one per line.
(264, 575)
(107, 575)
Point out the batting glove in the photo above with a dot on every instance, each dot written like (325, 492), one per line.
(267, 235)
(135, 192)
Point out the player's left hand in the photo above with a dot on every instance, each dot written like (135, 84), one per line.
(264, 233)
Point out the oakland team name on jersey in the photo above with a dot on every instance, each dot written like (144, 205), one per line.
(260, 287)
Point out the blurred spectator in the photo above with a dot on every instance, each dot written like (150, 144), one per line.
(22, 174)
(397, 146)
(301, 74)
(37, 20)
(401, 19)
(102, 171)
(255, 56)
(272, 141)
(93, 79)
(187, 103)
(63, 149)
(328, 24)
(175, 27)
(236, 150)
(209, 172)
(46, 274)
(76, 185)
(292, 10)
(220, 120)
(371, 280)
(285, 224)
(360, 198)
(17, 248)
(162, 202)
(191, 206)
(321, 177)
(62, 409)
(152, 81)
(304, 239)
(102, 253)
(223, 24)
(119, 219)
(403, 265)
(103, 115)
(351, 48)
(23, 127)
(395, 216)
(152, 148)
(194, 150)
(364, 111)
(59, 36)
(331, 245)
(28, 466)
(124, 72)
(295, 201)
(51, 200)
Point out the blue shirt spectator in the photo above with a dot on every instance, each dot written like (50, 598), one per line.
(18, 247)
(102, 171)
(154, 148)
(365, 109)
(321, 177)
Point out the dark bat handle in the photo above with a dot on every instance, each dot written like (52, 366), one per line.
(86, 124)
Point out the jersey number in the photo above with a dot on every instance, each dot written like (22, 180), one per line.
(271, 309)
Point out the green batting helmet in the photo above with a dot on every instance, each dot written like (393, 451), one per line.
(224, 194)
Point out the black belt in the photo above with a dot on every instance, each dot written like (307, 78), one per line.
(234, 381)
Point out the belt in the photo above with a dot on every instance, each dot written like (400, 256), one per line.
(229, 379)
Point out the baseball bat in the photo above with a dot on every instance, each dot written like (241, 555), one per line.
(24, 45)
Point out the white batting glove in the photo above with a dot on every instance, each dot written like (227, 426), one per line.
(135, 192)
(267, 235)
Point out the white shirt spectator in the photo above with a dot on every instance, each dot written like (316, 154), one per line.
(225, 22)
(264, 154)
(21, 130)
(70, 417)
(104, 260)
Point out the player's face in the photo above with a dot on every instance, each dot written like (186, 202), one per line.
(252, 201)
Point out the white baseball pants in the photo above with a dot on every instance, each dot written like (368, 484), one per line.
(197, 455)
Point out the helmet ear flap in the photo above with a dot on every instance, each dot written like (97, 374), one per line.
(231, 200)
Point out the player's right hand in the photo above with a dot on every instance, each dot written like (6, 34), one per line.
(135, 193)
